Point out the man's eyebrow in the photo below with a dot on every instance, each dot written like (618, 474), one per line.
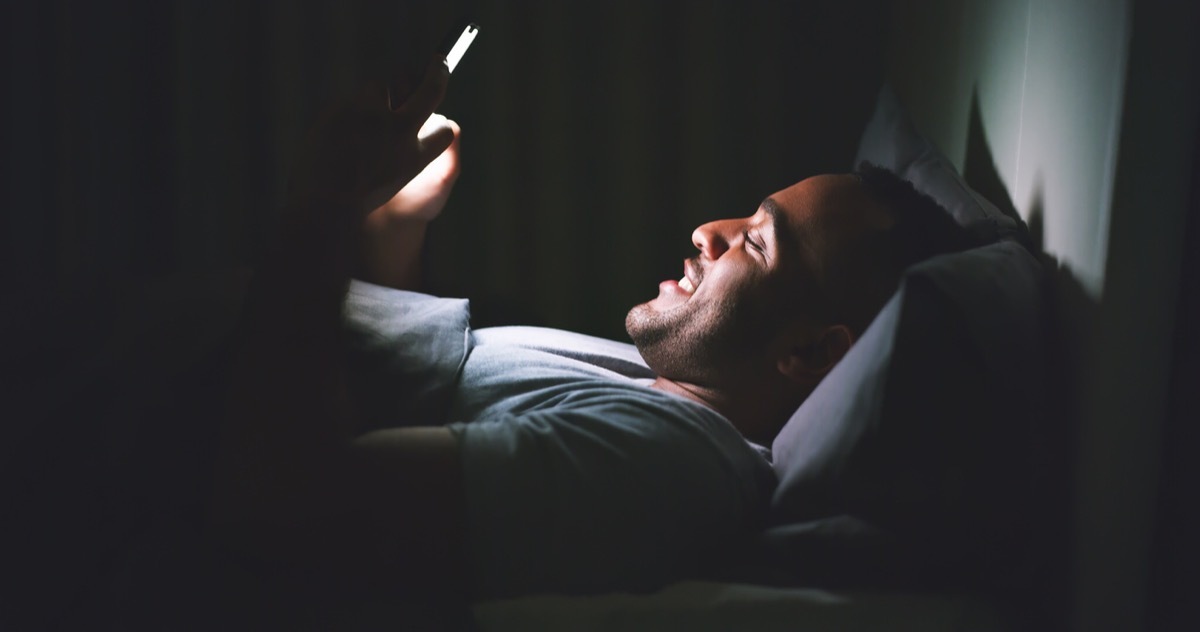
(778, 221)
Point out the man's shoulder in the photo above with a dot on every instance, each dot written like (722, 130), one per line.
(619, 357)
(583, 459)
(405, 351)
(376, 307)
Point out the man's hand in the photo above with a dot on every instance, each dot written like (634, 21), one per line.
(424, 197)
(364, 152)
(393, 235)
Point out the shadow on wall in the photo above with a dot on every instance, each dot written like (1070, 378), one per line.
(1071, 315)
(1074, 309)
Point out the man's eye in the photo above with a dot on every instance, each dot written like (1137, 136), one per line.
(753, 244)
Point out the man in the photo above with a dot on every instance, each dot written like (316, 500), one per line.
(529, 460)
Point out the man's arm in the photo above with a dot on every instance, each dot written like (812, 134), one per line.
(394, 233)
(296, 482)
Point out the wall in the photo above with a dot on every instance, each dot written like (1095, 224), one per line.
(1048, 78)
(1087, 112)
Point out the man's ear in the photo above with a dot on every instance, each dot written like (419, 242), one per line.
(808, 359)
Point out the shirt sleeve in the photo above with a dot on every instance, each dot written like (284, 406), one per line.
(405, 351)
(605, 491)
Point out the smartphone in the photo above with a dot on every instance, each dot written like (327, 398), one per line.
(452, 48)
(457, 41)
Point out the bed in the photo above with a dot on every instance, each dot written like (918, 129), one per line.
(702, 606)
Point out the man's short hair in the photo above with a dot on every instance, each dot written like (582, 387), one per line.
(863, 277)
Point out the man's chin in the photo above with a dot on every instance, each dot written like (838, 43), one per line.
(642, 324)
(664, 340)
(652, 322)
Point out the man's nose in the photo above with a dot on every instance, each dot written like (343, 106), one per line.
(711, 239)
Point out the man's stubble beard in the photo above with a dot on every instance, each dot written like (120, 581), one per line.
(702, 343)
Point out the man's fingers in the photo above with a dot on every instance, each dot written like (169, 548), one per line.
(429, 94)
(431, 125)
(436, 137)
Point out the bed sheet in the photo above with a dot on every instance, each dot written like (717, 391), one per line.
(703, 605)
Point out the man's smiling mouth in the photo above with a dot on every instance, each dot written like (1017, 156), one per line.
(692, 276)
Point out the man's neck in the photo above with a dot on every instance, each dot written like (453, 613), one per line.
(699, 394)
(749, 413)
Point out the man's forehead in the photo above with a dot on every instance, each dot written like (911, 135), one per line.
(818, 215)
(819, 203)
(794, 210)
(814, 194)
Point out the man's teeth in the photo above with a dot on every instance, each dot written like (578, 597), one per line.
(686, 284)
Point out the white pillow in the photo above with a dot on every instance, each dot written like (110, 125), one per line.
(891, 141)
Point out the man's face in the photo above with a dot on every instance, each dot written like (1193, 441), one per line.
(750, 276)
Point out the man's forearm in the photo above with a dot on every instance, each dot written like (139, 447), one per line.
(391, 253)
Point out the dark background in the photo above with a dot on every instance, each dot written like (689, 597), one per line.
(152, 139)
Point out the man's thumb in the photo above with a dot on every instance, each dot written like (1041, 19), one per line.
(435, 136)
